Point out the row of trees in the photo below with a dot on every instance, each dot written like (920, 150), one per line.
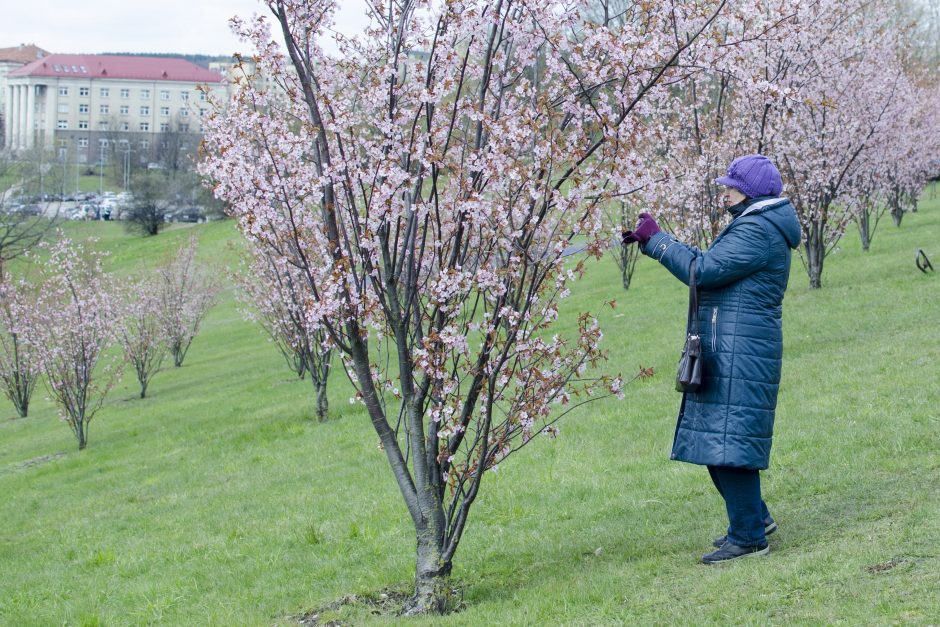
(836, 93)
(59, 327)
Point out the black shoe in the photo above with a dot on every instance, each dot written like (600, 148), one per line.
(769, 528)
(729, 552)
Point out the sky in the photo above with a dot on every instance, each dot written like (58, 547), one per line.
(182, 26)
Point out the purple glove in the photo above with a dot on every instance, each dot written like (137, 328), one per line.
(645, 229)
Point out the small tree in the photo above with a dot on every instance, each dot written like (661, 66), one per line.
(625, 255)
(141, 331)
(277, 293)
(154, 194)
(72, 325)
(19, 370)
(425, 185)
(186, 293)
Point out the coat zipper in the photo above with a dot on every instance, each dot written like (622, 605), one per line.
(714, 329)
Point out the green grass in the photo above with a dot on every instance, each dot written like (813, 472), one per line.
(220, 500)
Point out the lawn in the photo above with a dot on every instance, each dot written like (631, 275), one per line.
(220, 500)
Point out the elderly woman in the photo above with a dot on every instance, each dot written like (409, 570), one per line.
(727, 424)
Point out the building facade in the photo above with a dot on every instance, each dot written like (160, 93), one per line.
(85, 108)
(12, 59)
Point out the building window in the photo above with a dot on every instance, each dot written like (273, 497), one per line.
(125, 93)
(63, 143)
(202, 96)
(83, 124)
(184, 95)
(184, 128)
(63, 91)
(83, 142)
(164, 94)
(103, 125)
(105, 92)
(83, 108)
(82, 91)
(125, 126)
(202, 113)
(102, 143)
(145, 110)
(125, 110)
(145, 94)
(184, 112)
(104, 109)
(164, 127)
(62, 124)
(144, 144)
(63, 108)
(145, 127)
(164, 111)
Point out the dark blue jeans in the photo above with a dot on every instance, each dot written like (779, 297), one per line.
(747, 512)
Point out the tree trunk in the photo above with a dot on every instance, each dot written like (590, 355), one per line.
(323, 404)
(864, 230)
(431, 577)
(81, 434)
(815, 255)
(897, 214)
(626, 260)
(143, 389)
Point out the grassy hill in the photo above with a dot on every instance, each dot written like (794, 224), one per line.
(220, 500)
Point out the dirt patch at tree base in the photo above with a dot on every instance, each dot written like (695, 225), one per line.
(386, 602)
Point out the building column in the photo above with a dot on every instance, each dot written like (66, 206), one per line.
(8, 118)
(30, 116)
(50, 124)
(15, 122)
(21, 129)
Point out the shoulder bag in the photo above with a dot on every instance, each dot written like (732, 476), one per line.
(689, 376)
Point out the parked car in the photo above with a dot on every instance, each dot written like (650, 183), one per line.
(183, 214)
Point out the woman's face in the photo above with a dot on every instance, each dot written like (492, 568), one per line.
(730, 197)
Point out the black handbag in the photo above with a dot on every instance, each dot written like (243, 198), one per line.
(689, 376)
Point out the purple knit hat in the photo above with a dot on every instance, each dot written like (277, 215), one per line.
(753, 176)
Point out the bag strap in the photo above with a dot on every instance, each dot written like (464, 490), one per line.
(692, 320)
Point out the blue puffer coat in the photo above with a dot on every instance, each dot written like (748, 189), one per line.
(741, 280)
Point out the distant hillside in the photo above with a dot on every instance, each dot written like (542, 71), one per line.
(202, 60)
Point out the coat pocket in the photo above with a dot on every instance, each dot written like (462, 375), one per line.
(715, 329)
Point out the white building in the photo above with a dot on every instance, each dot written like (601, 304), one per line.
(13, 59)
(78, 105)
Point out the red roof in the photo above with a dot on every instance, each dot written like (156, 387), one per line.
(24, 53)
(118, 66)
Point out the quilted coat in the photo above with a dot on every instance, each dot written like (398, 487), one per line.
(741, 280)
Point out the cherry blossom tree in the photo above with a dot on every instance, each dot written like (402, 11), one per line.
(425, 184)
(843, 63)
(70, 329)
(141, 331)
(186, 293)
(707, 126)
(276, 294)
(19, 369)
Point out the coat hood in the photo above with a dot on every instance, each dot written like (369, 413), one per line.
(780, 213)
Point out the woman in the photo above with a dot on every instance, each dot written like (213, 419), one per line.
(727, 425)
